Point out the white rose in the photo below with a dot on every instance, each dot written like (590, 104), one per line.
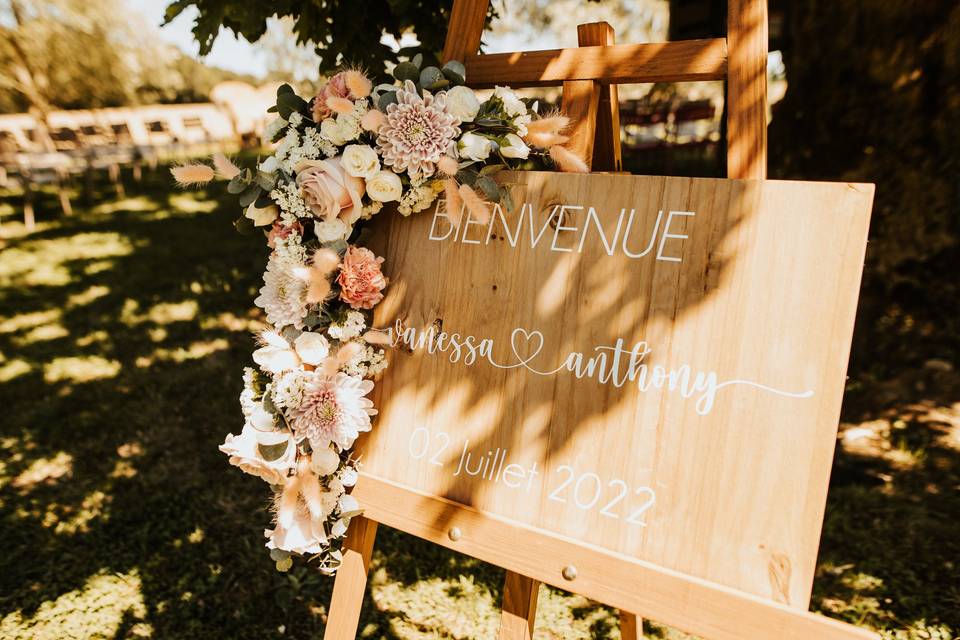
(360, 161)
(324, 461)
(515, 147)
(312, 347)
(269, 165)
(331, 230)
(385, 186)
(330, 130)
(462, 102)
(512, 104)
(474, 147)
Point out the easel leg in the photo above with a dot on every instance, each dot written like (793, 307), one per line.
(351, 581)
(631, 626)
(519, 607)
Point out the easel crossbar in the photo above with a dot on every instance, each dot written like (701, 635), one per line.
(687, 60)
(685, 602)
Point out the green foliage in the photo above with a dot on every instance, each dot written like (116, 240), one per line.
(874, 96)
(343, 31)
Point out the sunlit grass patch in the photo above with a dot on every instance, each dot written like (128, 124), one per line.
(195, 351)
(45, 262)
(80, 369)
(190, 203)
(162, 313)
(95, 610)
(87, 296)
(13, 369)
(42, 333)
(28, 320)
(138, 204)
(44, 471)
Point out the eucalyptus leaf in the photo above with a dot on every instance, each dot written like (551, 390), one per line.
(418, 60)
(431, 77)
(489, 187)
(236, 185)
(284, 88)
(406, 71)
(491, 169)
(271, 452)
(386, 99)
(263, 201)
(506, 199)
(243, 225)
(250, 195)
(291, 103)
(455, 71)
(265, 180)
(467, 177)
(268, 405)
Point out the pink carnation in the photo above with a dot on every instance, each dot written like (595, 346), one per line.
(280, 231)
(335, 87)
(361, 281)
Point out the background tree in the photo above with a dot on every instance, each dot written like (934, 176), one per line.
(343, 31)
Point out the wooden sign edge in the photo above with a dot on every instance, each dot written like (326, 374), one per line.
(685, 602)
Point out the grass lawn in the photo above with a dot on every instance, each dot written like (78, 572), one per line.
(123, 331)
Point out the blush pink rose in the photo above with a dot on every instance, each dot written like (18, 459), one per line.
(335, 87)
(361, 281)
(329, 191)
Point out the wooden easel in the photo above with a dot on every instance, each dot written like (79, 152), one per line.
(589, 75)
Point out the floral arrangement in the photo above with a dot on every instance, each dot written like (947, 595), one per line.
(342, 157)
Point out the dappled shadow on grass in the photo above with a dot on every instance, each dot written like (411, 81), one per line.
(890, 553)
(119, 374)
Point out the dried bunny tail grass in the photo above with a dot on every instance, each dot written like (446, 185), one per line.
(286, 503)
(454, 201)
(347, 352)
(379, 336)
(545, 139)
(358, 83)
(372, 120)
(339, 105)
(188, 175)
(475, 204)
(324, 262)
(554, 123)
(568, 161)
(448, 165)
(224, 167)
(310, 489)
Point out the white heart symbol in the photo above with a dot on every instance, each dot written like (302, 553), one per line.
(529, 338)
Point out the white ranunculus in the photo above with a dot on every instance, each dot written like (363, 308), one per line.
(324, 461)
(474, 147)
(512, 104)
(245, 452)
(262, 216)
(462, 102)
(331, 230)
(269, 165)
(515, 147)
(360, 161)
(312, 347)
(349, 477)
(330, 130)
(385, 186)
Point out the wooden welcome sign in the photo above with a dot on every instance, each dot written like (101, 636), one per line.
(624, 386)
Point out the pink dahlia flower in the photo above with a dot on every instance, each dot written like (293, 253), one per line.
(417, 132)
(333, 409)
(361, 280)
